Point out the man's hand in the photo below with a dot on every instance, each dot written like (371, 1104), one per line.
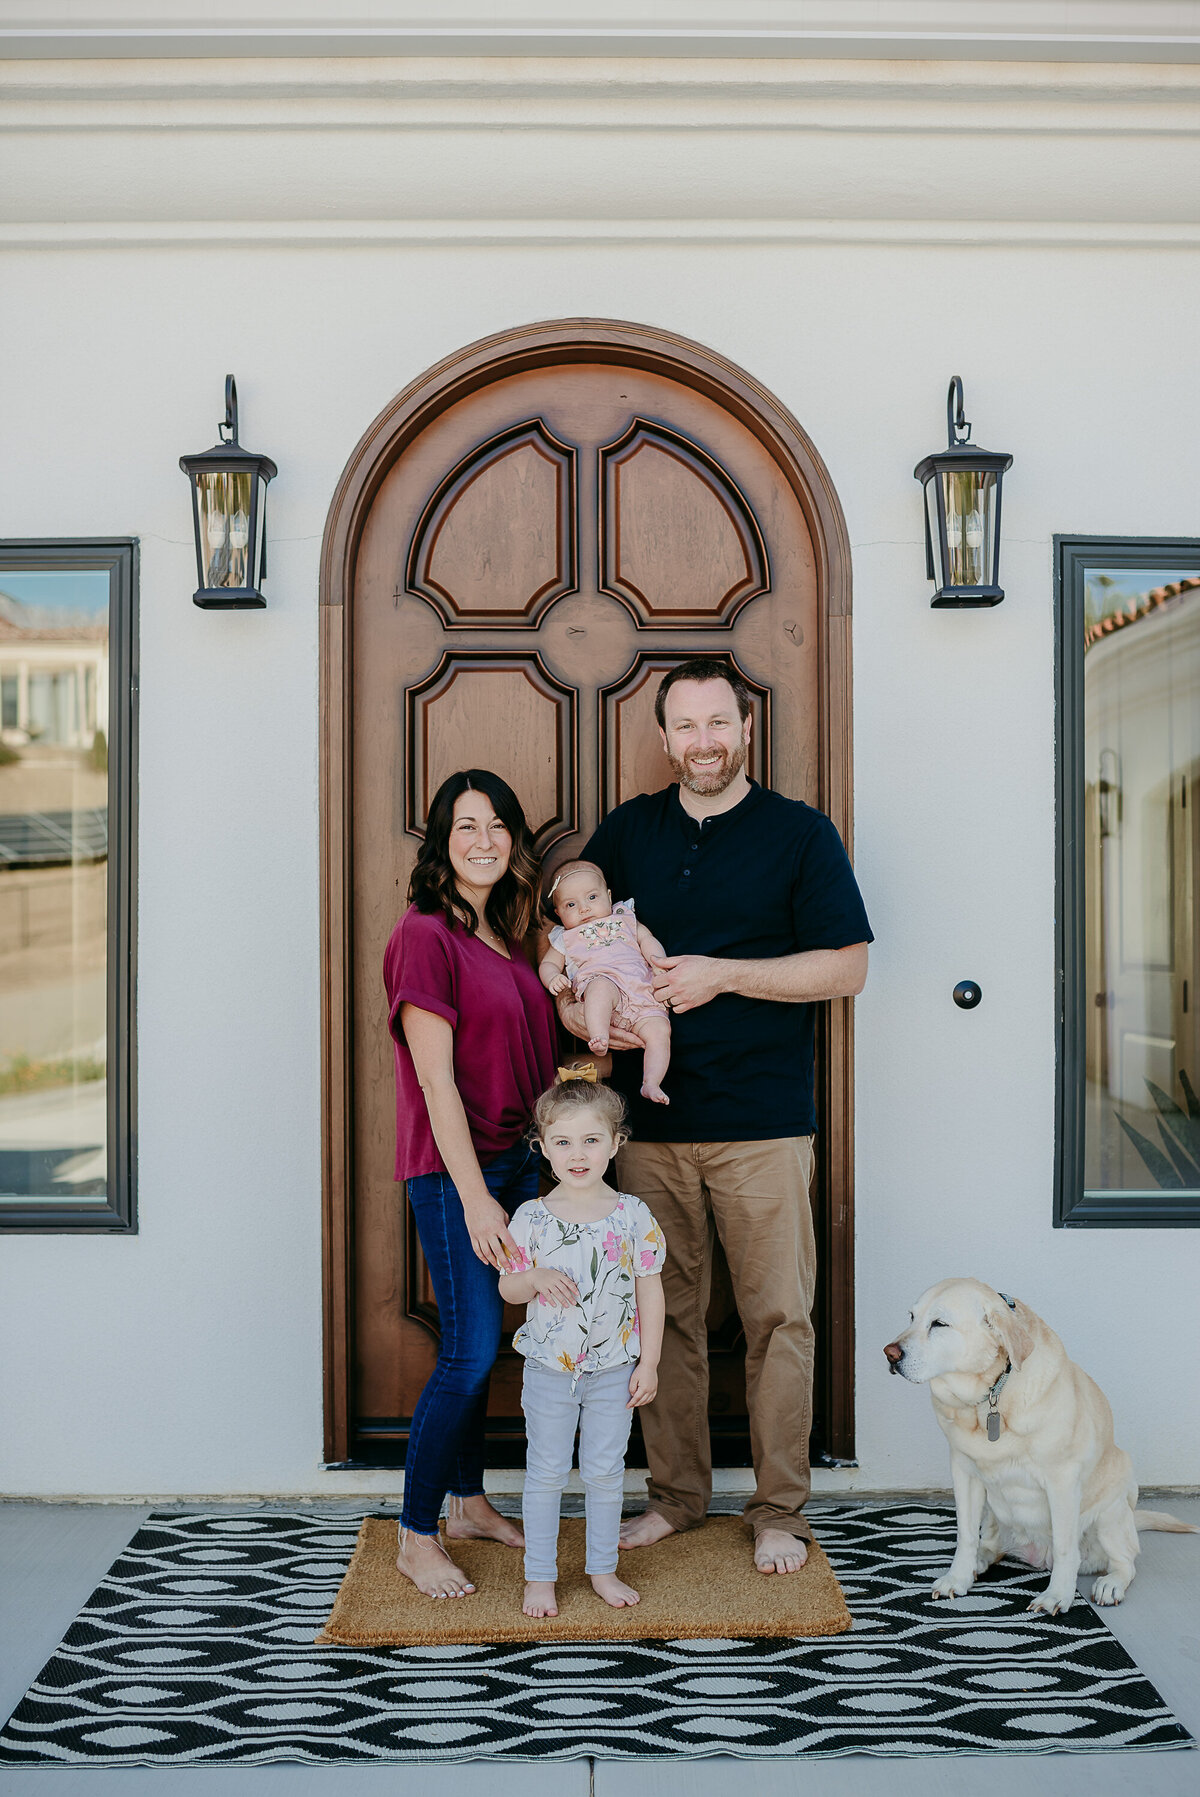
(643, 1385)
(683, 982)
(553, 1286)
(570, 1010)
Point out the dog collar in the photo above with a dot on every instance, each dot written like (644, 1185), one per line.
(994, 1420)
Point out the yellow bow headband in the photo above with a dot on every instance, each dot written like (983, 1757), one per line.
(587, 1072)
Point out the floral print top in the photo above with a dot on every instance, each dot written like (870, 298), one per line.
(603, 1259)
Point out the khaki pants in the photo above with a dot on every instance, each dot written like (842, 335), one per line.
(755, 1196)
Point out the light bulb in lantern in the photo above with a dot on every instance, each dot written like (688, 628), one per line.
(974, 536)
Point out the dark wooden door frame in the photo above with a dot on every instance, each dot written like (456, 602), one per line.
(464, 372)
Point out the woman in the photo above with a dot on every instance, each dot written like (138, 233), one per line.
(474, 1037)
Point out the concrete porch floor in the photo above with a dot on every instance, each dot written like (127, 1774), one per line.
(53, 1555)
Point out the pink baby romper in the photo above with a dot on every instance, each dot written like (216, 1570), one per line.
(608, 946)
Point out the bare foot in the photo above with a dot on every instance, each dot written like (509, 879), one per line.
(645, 1530)
(613, 1590)
(777, 1551)
(655, 1094)
(473, 1519)
(598, 1044)
(424, 1560)
(539, 1598)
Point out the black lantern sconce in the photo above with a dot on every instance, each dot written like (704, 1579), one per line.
(962, 513)
(229, 511)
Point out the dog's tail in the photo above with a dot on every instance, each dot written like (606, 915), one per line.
(1158, 1519)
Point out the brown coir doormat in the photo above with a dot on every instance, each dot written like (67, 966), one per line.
(701, 1584)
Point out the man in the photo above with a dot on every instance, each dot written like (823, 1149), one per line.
(754, 901)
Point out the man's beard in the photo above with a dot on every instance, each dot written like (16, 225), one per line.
(710, 782)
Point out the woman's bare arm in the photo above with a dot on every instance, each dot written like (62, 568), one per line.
(431, 1043)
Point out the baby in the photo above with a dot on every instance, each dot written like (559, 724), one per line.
(602, 953)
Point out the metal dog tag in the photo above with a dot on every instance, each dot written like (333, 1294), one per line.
(994, 1425)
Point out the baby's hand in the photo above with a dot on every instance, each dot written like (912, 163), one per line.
(555, 1287)
(560, 983)
(643, 1386)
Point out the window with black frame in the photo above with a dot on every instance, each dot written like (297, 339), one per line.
(67, 839)
(1128, 873)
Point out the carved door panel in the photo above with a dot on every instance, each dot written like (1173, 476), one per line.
(534, 559)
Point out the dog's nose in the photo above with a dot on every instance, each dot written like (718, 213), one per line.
(895, 1354)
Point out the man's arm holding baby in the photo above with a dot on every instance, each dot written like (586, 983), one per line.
(686, 981)
(652, 1316)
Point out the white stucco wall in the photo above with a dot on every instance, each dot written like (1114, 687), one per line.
(187, 1359)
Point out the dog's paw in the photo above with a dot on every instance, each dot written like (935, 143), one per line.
(1109, 1589)
(1050, 1601)
(953, 1584)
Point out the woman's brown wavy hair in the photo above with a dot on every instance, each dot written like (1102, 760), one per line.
(513, 899)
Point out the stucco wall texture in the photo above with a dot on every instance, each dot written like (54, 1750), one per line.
(187, 1359)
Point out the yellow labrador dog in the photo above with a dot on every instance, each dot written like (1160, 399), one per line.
(1036, 1471)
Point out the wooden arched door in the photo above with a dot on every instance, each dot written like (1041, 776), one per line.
(520, 545)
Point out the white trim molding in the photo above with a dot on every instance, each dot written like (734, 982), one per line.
(1008, 30)
(567, 233)
(426, 150)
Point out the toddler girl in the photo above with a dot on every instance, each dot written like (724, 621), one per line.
(589, 1272)
(601, 952)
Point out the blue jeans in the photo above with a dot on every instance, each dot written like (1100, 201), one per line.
(445, 1443)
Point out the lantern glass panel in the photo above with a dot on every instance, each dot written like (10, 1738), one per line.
(261, 532)
(968, 496)
(225, 514)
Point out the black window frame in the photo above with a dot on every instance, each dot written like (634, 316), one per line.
(118, 556)
(1074, 1207)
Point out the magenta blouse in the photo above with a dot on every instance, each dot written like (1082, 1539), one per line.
(504, 1028)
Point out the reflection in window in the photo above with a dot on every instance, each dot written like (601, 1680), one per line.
(54, 630)
(1141, 750)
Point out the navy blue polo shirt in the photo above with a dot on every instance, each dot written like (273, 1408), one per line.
(768, 878)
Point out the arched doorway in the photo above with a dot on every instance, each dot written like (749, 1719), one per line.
(521, 541)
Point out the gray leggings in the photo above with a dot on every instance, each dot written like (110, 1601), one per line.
(553, 1412)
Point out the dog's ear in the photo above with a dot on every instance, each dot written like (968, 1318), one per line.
(1011, 1329)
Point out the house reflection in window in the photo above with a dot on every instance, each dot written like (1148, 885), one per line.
(1141, 817)
(54, 700)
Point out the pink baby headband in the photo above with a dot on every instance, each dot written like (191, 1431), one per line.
(571, 867)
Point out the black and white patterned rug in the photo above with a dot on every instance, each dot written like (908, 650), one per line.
(197, 1649)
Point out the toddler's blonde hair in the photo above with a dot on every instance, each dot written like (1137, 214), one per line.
(580, 1095)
